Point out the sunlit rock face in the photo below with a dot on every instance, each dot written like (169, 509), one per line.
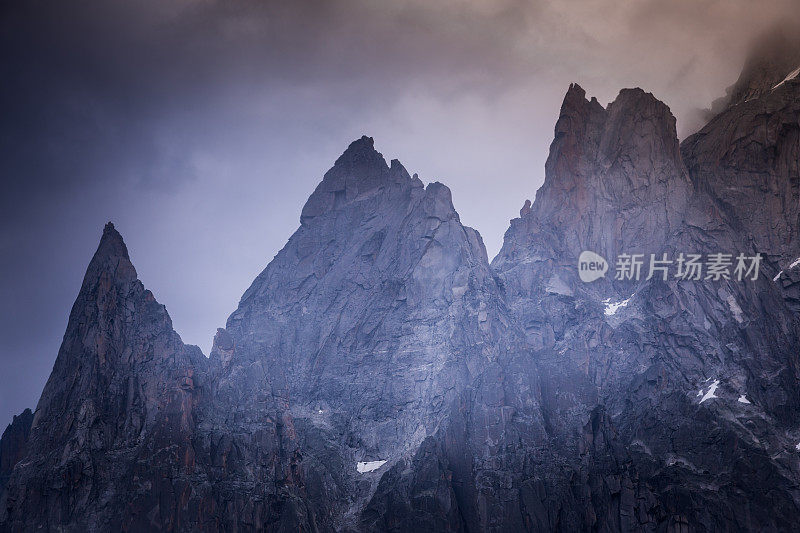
(381, 375)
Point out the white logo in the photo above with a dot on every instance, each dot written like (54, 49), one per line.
(634, 267)
(591, 266)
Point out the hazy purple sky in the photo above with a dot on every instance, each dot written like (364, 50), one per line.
(200, 127)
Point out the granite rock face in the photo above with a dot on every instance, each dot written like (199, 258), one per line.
(748, 160)
(369, 325)
(664, 402)
(614, 179)
(381, 375)
(630, 362)
(120, 397)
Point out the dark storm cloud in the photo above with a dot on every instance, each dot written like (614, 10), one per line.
(87, 83)
(200, 127)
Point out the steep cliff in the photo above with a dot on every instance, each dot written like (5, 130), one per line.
(665, 402)
(748, 160)
(633, 362)
(117, 406)
(381, 375)
(369, 324)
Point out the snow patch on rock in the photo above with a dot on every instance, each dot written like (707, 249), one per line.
(733, 305)
(613, 307)
(743, 399)
(794, 264)
(710, 393)
(792, 75)
(368, 466)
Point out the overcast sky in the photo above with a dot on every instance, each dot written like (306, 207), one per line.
(201, 127)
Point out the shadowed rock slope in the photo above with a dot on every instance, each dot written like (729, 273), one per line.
(118, 405)
(13, 443)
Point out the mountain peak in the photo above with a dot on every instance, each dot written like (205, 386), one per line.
(360, 161)
(575, 92)
(360, 151)
(636, 113)
(111, 243)
(111, 257)
(603, 160)
(359, 170)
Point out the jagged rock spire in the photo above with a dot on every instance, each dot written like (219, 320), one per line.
(110, 262)
(606, 161)
(359, 170)
(111, 243)
(360, 154)
(121, 377)
(110, 318)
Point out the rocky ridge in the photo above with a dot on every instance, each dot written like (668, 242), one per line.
(381, 375)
